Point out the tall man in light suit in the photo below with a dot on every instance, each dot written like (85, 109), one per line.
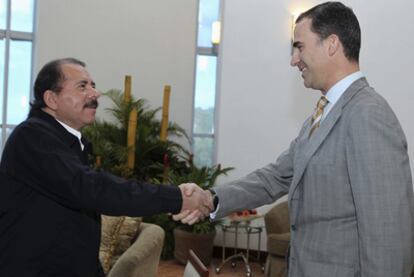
(347, 173)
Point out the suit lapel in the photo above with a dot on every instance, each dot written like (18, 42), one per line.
(308, 146)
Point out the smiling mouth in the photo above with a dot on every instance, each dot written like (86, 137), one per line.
(93, 104)
(303, 69)
(302, 66)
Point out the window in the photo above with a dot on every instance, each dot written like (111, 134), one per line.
(205, 84)
(16, 44)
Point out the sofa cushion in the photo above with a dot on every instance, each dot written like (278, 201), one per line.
(117, 234)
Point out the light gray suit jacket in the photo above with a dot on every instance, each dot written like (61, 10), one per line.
(350, 192)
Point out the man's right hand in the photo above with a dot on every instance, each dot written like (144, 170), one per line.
(197, 204)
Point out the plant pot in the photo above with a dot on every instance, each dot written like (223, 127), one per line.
(201, 244)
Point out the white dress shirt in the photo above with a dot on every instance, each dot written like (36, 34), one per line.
(73, 131)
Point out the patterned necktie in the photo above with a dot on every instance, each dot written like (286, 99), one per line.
(317, 116)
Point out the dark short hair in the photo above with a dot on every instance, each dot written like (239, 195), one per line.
(50, 77)
(336, 18)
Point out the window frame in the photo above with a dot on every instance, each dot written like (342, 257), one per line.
(206, 51)
(9, 35)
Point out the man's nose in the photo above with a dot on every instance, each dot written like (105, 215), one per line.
(295, 58)
(95, 93)
(98, 93)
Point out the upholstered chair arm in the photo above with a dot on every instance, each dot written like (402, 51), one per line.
(277, 219)
(143, 256)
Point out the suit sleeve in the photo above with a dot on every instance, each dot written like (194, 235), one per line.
(38, 159)
(262, 186)
(381, 185)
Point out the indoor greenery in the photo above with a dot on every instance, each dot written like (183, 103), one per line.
(109, 140)
(156, 161)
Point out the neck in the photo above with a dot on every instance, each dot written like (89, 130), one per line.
(339, 73)
(53, 114)
(49, 111)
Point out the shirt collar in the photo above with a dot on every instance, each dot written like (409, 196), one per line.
(73, 131)
(335, 92)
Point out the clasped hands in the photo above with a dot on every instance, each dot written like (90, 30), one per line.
(197, 204)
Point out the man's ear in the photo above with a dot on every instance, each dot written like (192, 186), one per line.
(49, 97)
(333, 44)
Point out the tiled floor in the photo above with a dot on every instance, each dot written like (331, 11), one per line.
(172, 268)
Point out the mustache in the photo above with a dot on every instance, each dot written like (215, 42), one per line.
(92, 104)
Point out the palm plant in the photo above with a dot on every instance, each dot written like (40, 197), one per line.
(109, 141)
(156, 161)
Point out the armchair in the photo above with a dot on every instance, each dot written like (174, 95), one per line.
(278, 236)
(141, 259)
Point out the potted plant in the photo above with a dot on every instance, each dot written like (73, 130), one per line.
(152, 158)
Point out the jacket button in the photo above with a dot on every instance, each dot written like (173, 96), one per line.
(293, 227)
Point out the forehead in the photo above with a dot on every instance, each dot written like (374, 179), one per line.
(74, 72)
(303, 31)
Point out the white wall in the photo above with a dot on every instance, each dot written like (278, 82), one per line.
(152, 40)
(263, 103)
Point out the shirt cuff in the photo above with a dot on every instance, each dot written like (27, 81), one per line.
(214, 213)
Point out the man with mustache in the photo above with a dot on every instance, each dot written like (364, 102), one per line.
(347, 173)
(50, 199)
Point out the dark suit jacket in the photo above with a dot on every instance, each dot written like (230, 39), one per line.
(51, 201)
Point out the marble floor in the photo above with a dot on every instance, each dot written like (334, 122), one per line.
(171, 268)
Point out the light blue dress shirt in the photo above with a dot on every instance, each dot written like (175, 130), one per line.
(335, 92)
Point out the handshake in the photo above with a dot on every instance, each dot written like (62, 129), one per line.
(197, 204)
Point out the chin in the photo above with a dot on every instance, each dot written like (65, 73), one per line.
(309, 84)
(89, 121)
